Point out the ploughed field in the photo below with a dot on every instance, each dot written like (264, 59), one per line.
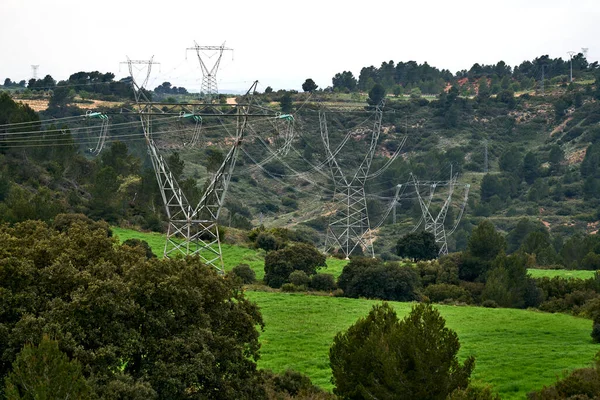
(516, 351)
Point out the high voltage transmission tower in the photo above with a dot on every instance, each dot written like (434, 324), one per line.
(349, 225)
(435, 224)
(192, 229)
(209, 74)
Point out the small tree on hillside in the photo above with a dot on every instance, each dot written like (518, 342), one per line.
(281, 263)
(416, 358)
(418, 246)
(45, 372)
(309, 85)
(376, 94)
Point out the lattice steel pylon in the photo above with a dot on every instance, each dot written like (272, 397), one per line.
(192, 230)
(209, 74)
(436, 225)
(350, 226)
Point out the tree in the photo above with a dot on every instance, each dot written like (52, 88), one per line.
(374, 279)
(157, 324)
(176, 165)
(531, 168)
(286, 103)
(280, 264)
(376, 94)
(45, 372)
(485, 243)
(416, 358)
(344, 80)
(309, 85)
(418, 246)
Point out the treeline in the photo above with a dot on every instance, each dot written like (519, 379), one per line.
(414, 78)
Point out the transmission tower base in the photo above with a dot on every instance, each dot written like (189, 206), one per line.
(195, 238)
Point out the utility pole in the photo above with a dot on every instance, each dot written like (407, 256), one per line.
(209, 75)
(34, 69)
(571, 53)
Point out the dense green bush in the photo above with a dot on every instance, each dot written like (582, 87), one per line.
(245, 273)
(443, 292)
(372, 278)
(124, 317)
(280, 264)
(323, 282)
(299, 278)
(380, 357)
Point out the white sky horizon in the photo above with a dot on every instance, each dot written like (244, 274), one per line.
(282, 44)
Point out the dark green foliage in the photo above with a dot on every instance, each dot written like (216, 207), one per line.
(581, 384)
(309, 85)
(484, 245)
(474, 393)
(299, 278)
(322, 282)
(280, 264)
(445, 292)
(160, 323)
(524, 227)
(372, 278)
(485, 242)
(531, 168)
(376, 94)
(45, 372)
(418, 246)
(245, 273)
(142, 244)
(292, 385)
(383, 358)
(344, 81)
(286, 103)
(176, 165)
(508, 284)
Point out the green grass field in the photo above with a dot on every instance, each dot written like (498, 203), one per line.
(516, 351)
(563, 273)
(234, 255)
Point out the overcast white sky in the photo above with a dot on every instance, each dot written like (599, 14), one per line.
(281, 43)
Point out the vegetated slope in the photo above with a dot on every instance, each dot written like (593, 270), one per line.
(516, 351)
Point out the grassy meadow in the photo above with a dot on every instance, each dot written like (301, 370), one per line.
(516, 351)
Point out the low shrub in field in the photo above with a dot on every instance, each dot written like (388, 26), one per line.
(299, 278)
(582, 384)
(444, 292)
(281, 263)
(372, 278)
(292, 385)
(322, 282)
(245, 273)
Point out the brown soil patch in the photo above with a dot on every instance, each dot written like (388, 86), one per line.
(576, 157)
(561, 127)
(36, 105)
